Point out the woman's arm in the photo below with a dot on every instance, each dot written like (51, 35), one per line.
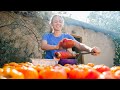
(83, 47)
(45, 46)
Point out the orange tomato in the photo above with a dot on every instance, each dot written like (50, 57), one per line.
(12, 73)
(114, 69)
(117, 74)
(53, 73)
(13, 64)
(29, 72)
(91, 64)
(1, 70)
(77, 73)
(27, 64)
(38, 68)
(67, 69)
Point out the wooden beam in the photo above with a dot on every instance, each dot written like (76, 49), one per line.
(81, 58)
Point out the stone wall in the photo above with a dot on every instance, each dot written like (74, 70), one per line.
(23, 32)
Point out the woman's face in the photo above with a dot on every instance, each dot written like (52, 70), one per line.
(57, 23)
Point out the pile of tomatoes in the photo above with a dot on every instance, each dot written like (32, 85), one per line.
(29, 71)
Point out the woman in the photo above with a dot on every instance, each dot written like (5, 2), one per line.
(51, 41)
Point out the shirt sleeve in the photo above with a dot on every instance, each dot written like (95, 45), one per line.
(45, 36)
(70, 36)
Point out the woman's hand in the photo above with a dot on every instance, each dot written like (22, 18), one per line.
(59, 45)
(67, 43)
(96, 51)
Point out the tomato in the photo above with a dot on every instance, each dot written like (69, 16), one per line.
(1, 74)
(101, 68)
(70, 66)
(83, 66)
(117, 74)
(77, 73)
(38, 68)
(67, 69)
(29, 72)
(67, 43)
(1, 70)
(107, 75)
(2, 77)
(53, 73)
(13, 64)
(92, 74)
(115, 68)
(12, 73)
(91, 64)
(64, 55)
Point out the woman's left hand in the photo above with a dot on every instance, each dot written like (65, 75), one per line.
(96, 51)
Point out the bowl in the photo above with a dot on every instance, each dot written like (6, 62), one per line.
(67, 61)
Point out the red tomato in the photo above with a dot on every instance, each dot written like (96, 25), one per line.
(63, 55)
(107, 75)
(101, 68)
(92, 74)
(67, 43)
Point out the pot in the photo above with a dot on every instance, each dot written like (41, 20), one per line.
(67, 61)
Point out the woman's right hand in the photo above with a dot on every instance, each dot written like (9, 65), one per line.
(59, 45)
(66, 43)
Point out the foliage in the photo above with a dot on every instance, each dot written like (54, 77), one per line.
(106, 19)
(109, 20)
(8, 53)
(117, 51)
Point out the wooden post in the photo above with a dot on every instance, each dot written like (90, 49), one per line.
(81, 57)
